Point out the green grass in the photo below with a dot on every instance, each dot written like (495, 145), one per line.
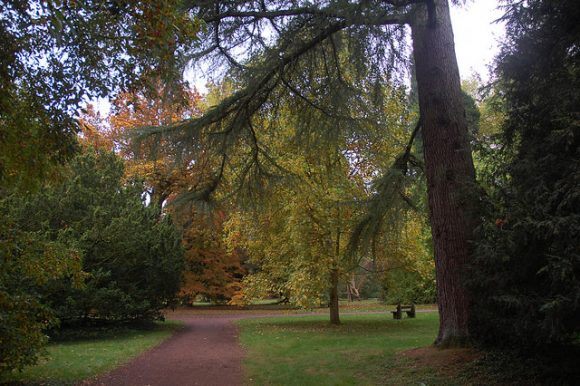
(255, 302)
(375, 305)
(274, 306)
(363, 350)
(75, 359)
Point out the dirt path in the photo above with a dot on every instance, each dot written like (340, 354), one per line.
(204, 352)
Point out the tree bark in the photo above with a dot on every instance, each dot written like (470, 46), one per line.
(348, 293)
(334, 316)
(352, 290)
(448, 163)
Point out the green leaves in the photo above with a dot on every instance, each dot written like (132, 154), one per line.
(84, 249)
(132, 258)
(29, 260)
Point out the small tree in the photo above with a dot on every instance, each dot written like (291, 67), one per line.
(212, 270)
(299, 231)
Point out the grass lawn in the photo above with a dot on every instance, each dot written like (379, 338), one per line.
(375, 305)
(273, 306)
(363, 350)
(75, 359)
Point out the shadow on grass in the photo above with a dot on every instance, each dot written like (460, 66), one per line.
(110, 331)
(552, 365)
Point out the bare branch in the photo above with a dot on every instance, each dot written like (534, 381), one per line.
(402, 161)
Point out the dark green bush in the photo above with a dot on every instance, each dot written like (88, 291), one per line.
(132, 256)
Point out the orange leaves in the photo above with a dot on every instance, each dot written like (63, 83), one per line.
(212, 271)
(152, 159)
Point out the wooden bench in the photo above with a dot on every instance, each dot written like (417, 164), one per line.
(398, 313)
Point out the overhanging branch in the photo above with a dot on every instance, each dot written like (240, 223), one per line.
(351, 16)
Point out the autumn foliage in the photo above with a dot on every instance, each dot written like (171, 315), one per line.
(212, 272)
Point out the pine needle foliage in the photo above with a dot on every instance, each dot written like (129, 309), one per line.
(315, 60)
(527, 272)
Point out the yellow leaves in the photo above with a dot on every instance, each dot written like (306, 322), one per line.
(409, 248)
(233, 236)
(256, 286)
(41, 261)
(238, 299)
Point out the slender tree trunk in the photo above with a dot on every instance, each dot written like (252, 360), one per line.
(334, 316)
(353, 293)
(348, 293)
(448, 162)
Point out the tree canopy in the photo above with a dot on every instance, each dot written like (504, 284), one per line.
(322, 58)
(310, 158)
(58, 54)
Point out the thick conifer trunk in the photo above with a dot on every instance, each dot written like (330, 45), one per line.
(448, 162)
(334, 316)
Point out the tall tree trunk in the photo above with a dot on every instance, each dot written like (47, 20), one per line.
(334, 317)
(448, 162)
